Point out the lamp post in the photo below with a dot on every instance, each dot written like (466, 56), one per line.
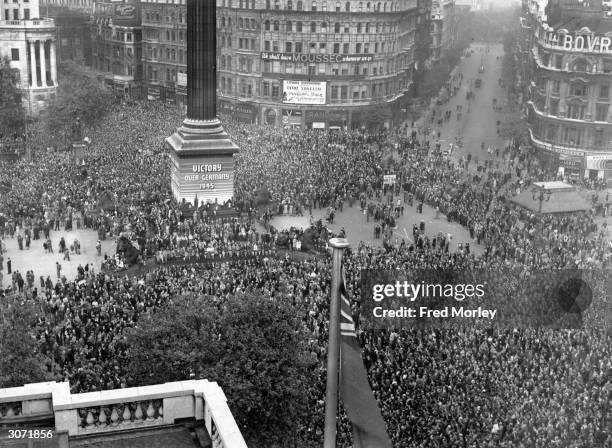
(541, 195)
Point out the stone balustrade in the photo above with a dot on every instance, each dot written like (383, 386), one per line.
(113, 411)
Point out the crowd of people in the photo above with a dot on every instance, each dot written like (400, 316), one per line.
(504, 388)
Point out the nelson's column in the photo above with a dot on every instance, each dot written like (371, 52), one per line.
(200, 149)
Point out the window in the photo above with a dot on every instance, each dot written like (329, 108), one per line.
(275, 91)
(15, 14)
(366, 48)
(578, 89)
(299, 47)
(313, 6)
(556, 87)
(558, 61)
(334, 92)
(581, 66)
(607, 66)
(313, 27)
(266, 45)
(26, 14)
(598, 140)
(266, 88)
(337, 28)
(576, 111)
(604, 92)
(324, 27)
(289, 26)
(275, 46)
(601, 112)
(347, 7)
(300, 5)
(276, 25)
(359, 28)
(345, 48)
(268, 4)
(312, 69)
(336, 48)
(554, 107)
(358, 48)
(276, 4)
(289, 5)
(343, 92)
(14, 54)
(288, 47)
(267, 25)
(298, 27)
(367, 28)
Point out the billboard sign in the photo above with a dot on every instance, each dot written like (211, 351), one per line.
(304, 92)
(599, 162)
(315, 58)
(208, 178)
(181, 79)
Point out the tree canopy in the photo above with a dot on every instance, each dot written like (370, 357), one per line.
(20, 359)
(12, 112)
(253, 347)
(79, 95)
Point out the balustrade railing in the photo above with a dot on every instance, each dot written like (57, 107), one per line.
(121, 415)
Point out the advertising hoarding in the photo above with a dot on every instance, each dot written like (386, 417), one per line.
(304, 92)
(315, 58)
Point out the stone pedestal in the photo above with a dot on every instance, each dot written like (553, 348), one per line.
(202, 162)
(78, 152)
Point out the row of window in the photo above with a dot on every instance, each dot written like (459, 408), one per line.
(377, 27)
(168, 36)
(7, 14)
(576, 88)
(570, 135)
(313, 5)
(171, 18)
(160, 75)
(166, 54)
(579, 65)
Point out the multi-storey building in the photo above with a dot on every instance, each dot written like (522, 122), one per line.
(569, 110)
(295, 62)
(116, 44)
(164, 49)
(85, 6)
(443, 28)
(73, 31)
(29, 43)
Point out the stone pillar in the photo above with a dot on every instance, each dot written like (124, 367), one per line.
(201, 59)
(33, 77)
(43, 64)
(52, 60)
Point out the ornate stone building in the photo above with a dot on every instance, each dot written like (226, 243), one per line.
(28, 41)
(570, 75)
(443, 28)
(302, 63)
(116, 36)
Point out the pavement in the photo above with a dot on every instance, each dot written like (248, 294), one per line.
(43, 263)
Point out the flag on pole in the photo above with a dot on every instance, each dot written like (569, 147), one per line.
(361, 406)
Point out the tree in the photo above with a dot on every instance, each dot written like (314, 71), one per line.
(79, 95)
(12, 112)
(514, 128)
(20, 360)
(253, 347)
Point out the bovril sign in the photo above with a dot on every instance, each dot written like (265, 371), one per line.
(587, 43)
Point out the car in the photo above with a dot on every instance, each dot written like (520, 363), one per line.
(481, 69)
(478, 83)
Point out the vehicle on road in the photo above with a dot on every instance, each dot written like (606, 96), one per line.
(481, 69)
(478, 83)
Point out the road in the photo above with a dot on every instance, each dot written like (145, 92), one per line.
(479, 120)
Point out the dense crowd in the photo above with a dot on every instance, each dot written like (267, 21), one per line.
(505, 388)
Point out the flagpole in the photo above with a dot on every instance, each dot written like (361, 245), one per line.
(333, 352)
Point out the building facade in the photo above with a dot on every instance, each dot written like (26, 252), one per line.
(29, 42)
(443, 28)
(116, 43)
(86, 6)
(570, 73)
(306, 63)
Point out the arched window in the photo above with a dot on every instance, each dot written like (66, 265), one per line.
(276, 25)
(324, 27)
(300, 5)
(298, 27)
(313, 27)
(359, 26)
(580, 65)
(289, 5)
(347, 7)
(367, 28)
(267, 25)
(337, 28)
(313, 5)
(289, 26)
